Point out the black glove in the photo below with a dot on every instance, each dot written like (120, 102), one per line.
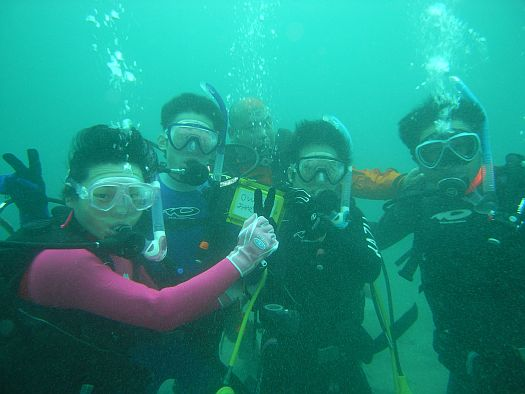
(264, 209)
(304, 212)
(312, 215)
(26, 186)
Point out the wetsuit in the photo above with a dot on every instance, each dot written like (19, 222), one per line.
(317, 343)
(196, 230)
(198, 236)
(84, 318)
(473, 275)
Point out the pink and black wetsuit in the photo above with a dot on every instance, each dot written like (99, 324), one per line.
(77, 279)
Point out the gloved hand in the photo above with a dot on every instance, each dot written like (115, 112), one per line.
(307, 213)
(264, 209)
(256, 242)
(26, 186)
(413, 180)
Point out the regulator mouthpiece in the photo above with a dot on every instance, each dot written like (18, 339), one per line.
(195, 173)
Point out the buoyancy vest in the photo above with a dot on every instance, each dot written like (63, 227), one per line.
(58, 350)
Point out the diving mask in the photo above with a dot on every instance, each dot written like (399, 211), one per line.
(106, 193)
(184, 132)
(308, 167)
(464, 145)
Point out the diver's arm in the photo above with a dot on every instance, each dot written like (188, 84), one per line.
(77, 279)
(373, 184)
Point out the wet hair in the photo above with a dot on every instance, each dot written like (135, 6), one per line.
(102, 144)
(310, 132)
(189, 102)
(425, 116)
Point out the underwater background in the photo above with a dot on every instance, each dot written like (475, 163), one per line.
(66, 65)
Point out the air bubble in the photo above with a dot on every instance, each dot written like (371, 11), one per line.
(129, 76)
(92, 19)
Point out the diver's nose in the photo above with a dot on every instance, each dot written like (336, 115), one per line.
(123, 205)
(192, 146)
(450, 158)
(320, 176)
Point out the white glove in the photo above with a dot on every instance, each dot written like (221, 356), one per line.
(256, 242)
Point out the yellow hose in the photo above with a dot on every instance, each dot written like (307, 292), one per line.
(400, 381)
(240, 336)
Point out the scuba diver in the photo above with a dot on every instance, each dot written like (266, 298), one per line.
(251, 125)
(467, 220)
(195, 204)
(80, 306)
(313, 304)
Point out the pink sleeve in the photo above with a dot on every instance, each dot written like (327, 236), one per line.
(77, 279)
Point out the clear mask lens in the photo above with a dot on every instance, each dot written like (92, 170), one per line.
(181, 134)
(463, 145)
(108, 193)
(105, 197)
(309, 167)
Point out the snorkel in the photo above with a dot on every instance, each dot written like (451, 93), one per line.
(219, 158)
(489, 184)
(488, 201)
(342, 218)
(157, 248)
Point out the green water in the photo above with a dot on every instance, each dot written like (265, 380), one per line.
(363, 61)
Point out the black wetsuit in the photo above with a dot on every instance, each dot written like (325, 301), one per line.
(317, 343)
(473, 275)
